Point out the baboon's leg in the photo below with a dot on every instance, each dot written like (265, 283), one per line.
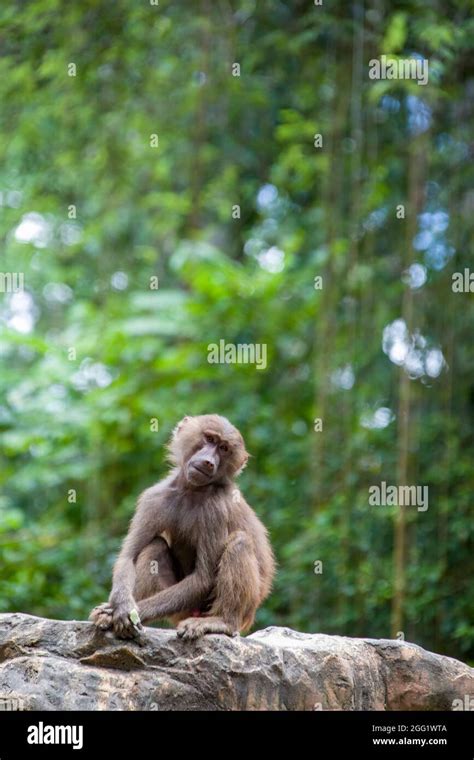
(236, 593)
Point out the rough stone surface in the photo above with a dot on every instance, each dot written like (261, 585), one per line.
(50, 665)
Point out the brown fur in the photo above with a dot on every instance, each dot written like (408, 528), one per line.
(195, 553)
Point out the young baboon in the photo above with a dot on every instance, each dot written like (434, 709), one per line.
(195, 552)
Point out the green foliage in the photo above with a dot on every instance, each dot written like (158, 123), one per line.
(81, 422)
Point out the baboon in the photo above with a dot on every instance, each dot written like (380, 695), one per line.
(195, 553)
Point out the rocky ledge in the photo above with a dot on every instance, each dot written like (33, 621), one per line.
(69, 665)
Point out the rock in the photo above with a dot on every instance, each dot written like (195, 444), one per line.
(69, 665)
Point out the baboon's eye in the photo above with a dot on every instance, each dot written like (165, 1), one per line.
(224, 447)
(209, 438)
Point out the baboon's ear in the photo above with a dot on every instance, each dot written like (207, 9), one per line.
(180, 425)
(242, 464)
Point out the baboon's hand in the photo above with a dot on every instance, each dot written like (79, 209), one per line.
(101, 616)
(125, 620)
